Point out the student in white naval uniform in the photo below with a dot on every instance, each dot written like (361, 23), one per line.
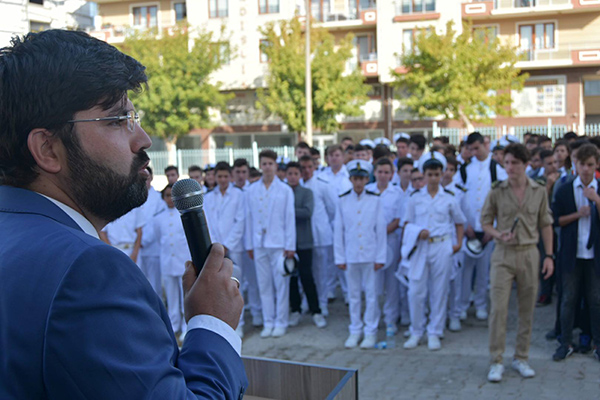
(240, 174)
(225, 214)
(389, 198)
(480, 172)
(436, 211)
(125, 234)
(360, 250)
(174, 253)
(337, 176)
(271, 237)
(150, 251)
(322, 227)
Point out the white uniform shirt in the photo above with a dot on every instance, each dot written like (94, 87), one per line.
(403, 196)
(323, 212)
(437, 214)
(360, 229)
(225, 215)
(583, 227)
(270, 216)
(174, 251)
(390, 201)
(479, 183)
(150, 209)
(340, 182)
(122, 231)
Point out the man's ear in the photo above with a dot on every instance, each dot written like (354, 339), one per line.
(47, 150)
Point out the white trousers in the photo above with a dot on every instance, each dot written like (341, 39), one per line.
(322, 259)
(434, 284)
(274, 287)
(481, 267)
(251, 284)
(150, 266)
(238, 272)
(389, 286)
(359, 276)
(174, 292)
(454, 309)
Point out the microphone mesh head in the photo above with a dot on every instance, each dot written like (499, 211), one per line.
(185, 187)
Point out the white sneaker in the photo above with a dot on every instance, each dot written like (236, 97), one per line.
(463, 316)
(319, 320)
(257, 320)
(524, 369)
(240, 331)
(412, 342)
(433, 343)
(266, 332)
(481, 314)
(495, 374)
(352, 340)
(454, 325)
(294, 319)
(278, 331)
(369, 342)
(406, 333)
(391, 329)
(324, 310)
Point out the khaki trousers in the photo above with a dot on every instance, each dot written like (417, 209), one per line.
(520, 264)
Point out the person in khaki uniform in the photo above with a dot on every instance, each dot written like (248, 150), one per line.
(520, 208)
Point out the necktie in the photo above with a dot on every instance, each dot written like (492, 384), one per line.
(593, 233)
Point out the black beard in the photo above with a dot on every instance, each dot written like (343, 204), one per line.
(100, 190)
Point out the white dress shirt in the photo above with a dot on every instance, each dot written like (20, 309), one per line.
(174, 251)
(123, 230)
(340, 182)
(323, 212)
(270, 216)
(150, 209)
(225, 215)
(438, 214)
(583, 227)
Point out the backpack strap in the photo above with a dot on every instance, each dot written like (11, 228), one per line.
(493, 170)
(463, 173)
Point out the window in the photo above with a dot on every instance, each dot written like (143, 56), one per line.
(145, 17)
(180, 11)
(264, 58)
(536, 37)
(408, 41)
(591, 88)
(488, 33)
(268, 6)
(320, 9)
(417, 6)
(366, 48)
(35, 26)
(222, 52)
(218, 8)
(525, 3)
(40, 2)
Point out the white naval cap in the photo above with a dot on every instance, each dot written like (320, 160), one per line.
(402, 135)
(210, 166)
(359, 168)
(432, 155)
(367, 142)
(382, 140)
(282, 160)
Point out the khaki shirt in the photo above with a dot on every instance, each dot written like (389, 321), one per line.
(503, 206)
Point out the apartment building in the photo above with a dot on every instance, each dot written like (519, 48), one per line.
(17, 17)
(558, 40)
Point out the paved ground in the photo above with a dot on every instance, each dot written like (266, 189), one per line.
(458, 371)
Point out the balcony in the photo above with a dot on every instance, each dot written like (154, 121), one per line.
(353, 13)
(406, 12)
(517, 8)
(368, 65)
(573, 54)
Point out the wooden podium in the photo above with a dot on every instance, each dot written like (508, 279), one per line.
(286, 380)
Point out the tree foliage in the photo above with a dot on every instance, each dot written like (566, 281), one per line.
(179, 93)
(466, 76)
(334, 91)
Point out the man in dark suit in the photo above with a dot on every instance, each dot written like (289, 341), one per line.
(78, 319)
(576, 209)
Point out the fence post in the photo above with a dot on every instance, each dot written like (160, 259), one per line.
(254, 154)
(435, 130)
(231, 156)
(179, 159)
(550, 133)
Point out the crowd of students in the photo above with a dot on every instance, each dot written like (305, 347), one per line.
(421, 234)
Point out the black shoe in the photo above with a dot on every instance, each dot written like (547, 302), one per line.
(562, 352)
(585, 344)
(551, 335)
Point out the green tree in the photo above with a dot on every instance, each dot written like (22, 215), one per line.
(334, 92)
(466, 77)
(179, 94)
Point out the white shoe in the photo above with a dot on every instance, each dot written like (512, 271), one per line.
(352, 340)
(524, 369)
(495, 374)
(391, 330)
(319, 320)
(454, 325)
(278, 331)
(412, 342)
(324, 311)
(257, 320)
(433, 343)
(463, 316)
(266, 332)
(369, 342)
(481, 314)
(240, 331)
(406, 333)
(294, 319)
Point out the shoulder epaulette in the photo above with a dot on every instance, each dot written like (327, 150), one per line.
(237, 187)
(496, 184)
(450, 192)
(395, 183)
(416, 191)
(373, 193)
(460, 187)
(322, 180)
(347, 193)
(540, 181)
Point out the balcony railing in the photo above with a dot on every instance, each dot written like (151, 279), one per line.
(575, 52)
(353, 13)
(528, 4)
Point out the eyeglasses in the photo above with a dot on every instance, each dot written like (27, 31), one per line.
(131, 117)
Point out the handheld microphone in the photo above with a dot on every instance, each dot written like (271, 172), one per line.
(189, 199)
